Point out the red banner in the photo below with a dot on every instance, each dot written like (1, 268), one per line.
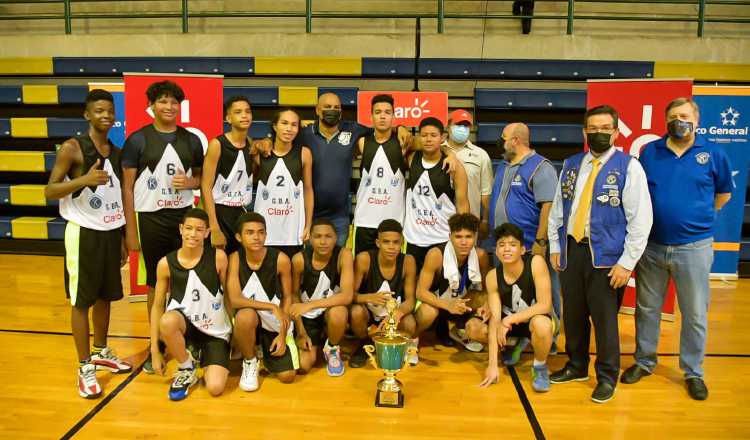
(201, 112)
(409, 107)
(640, 104)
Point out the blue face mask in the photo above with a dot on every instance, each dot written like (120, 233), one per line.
(459, 133)
(679, 129)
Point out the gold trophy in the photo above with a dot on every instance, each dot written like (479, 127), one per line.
(390, 356)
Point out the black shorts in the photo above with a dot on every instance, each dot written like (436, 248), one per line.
(316, 329)
(159, 234)
(213, 350)
(419, 253)
(289, 251)
(288, 362)
(227, 217)
(92, 265)
(364, 239)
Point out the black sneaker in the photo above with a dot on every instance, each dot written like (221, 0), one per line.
(359, 357)
(603, 392)
(634, 374)
(567, 375)
(697, 388)
(443, 333)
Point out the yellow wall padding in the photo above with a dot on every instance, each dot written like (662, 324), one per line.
(323, 66)
(702, 71)
(28, 127)
(298, 96)
(26, 66)
(22, 161)
(40, 94)
(27, 195)
(30, 227)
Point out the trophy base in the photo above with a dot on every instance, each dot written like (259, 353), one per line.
(389, 399)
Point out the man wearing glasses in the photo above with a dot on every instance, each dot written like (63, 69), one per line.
(598, 229)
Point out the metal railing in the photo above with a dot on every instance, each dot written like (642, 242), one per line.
(185, 14)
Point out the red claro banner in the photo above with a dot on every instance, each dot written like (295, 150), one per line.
(641, 105)
(200, 113)
(409, 107)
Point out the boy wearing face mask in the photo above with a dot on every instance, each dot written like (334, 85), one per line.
(477, 164)
(690, 180)
(598, 228)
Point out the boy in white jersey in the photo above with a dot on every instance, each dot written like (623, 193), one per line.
(227, 180)
(161, 166)
(322, 275)
(86, 177)
(189, 286)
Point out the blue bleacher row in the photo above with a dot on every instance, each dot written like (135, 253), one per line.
(362, 67)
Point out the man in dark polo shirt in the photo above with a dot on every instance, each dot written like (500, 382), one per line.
(689, 180)
(332, 143)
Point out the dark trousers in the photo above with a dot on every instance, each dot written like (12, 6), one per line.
(587, 293)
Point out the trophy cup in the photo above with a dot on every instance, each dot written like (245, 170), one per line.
(390, 356)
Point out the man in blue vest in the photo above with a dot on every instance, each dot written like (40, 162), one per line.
(689, 179)
(598, 229)
(522, 194)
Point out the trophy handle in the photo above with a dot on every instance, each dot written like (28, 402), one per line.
(409, 351)
(370, 350)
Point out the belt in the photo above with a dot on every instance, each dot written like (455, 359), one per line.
(584, 241)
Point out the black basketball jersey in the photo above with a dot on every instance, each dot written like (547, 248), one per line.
(319, 284)
(280, 198)
(197, 293)
(430, 202)
(441, 285)
(520, 295)
(262, 285)
(96, 207)
(159, 162)
(233, 183)
(376, 282)
(380, 195)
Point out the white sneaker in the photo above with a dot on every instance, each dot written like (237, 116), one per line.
(459, 335)
(413, 358)
(249, 378)
(88, 386)
(107, 360)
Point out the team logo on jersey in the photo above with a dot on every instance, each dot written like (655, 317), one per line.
(152, 183)
(296, 193)
(611, 179)
(216, 305)
(368, 181)
(95, 202)
(413, 204)
(702, 158)
(345, 137)
(438, 206)
(395, 181)
(249, 188)
(225, 187)
(264, 194)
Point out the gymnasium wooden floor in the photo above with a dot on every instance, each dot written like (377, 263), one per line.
(39, 400)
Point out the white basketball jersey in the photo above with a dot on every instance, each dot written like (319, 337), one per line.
(100, 209)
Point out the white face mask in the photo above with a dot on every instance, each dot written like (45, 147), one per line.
(459, 133)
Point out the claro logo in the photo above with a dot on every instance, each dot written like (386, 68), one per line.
(409, 107)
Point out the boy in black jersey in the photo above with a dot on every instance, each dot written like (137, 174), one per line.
(450, 284)
(161, 166)
(322, 283)
(86, 177)
(520, 305)
(226, 181)
(190, 309)
(379, 275)
(260, 289)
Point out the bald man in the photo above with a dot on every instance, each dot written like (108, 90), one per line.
(522, 194)
(332, 142)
